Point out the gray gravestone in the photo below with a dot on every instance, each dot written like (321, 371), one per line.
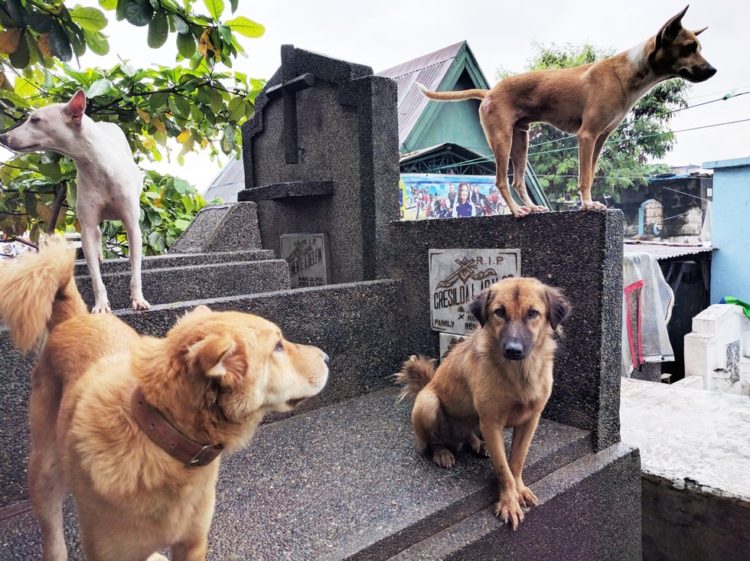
(457, 276)
(230, 227)
(308, 258)
(321, 155)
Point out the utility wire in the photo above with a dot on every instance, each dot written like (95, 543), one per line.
(565, 149)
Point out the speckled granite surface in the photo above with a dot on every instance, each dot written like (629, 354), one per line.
(336, 482)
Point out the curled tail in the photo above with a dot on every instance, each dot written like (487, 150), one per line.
(415, 374)
(37, 292)
(453, 96)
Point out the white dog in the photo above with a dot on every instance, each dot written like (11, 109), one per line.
(109, 181)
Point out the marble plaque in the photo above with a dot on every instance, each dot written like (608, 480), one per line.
(308, 258)
(457, 276)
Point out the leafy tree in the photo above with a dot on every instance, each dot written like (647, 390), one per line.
(644, 135)
(200, 103)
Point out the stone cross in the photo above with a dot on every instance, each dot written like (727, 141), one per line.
(288, 89)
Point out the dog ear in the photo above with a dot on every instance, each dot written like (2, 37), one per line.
(671, 29)
(76, 106)
(696, 33)
(214, 355)
(479, 308)
(558, 307)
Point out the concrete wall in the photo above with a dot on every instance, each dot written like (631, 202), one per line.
(730, 267)
(581, 252)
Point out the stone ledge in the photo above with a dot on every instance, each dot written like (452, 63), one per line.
(351, 486)
(185, 283)
(277, 191)
(177, 260)
(574, 521)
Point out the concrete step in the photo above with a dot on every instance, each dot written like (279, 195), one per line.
(589, 510)
(344, 482)
(177, 260)
(184, 283)
(365, 343)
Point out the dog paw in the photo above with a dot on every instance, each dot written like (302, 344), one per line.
(521, 212)
(592, 205)
(526, 496)
(509, 511)
(101, 308)
(140, 303)
(479, 448)
(156, 557)
(444, 458)
(538, 208)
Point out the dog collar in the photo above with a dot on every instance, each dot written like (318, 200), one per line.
(167, 437)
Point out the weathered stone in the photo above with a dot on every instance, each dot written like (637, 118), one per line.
(230, 227)
(344, 182)
(181, 284)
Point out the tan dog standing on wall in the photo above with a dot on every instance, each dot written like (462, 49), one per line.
(589, 101)
(501, 376)
(135, 425)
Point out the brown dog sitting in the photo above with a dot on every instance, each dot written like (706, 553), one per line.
(501, 376)
(589, 101)
(135, 425)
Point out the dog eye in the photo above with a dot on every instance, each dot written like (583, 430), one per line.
(279, 348)
(34, 119)
(687, 49)
(531, 314)
(500, 312)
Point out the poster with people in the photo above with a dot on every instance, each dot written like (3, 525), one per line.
(432, 195)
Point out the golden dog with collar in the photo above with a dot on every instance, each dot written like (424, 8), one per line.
(134, 425)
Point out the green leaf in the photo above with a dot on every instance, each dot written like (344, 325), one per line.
(20, 57)
(180, 25)
(97, 42)
(89, 19)
(236, 108)
(158, 30)
(234, 4)
(246, 27)
(157, 241)
(138, 12)
(185, 44)
(108, 4)
(100, 87)
(59, 43)
(158, 102)
(215, 8)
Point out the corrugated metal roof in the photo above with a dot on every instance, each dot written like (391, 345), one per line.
(228, 183)
(428, 70)
(665, 250)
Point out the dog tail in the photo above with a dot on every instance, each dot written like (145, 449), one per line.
(453, 96)
(415, 374)
(37, 292)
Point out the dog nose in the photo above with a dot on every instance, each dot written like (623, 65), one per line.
(710, 71)
(513, 350)
(3, 138)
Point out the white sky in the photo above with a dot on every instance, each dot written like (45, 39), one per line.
(500, 33)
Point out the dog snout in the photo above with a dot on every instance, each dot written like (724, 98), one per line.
(513, 349)
(709, 71)
(4, 139)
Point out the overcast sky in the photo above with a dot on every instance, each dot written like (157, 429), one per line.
(501, 34)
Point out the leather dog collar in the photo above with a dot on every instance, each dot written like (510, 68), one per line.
(167, 437)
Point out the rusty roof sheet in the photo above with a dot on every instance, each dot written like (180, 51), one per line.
(665, 250)
(428, 70)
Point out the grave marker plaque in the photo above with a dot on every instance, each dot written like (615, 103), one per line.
(307, 255)
(457, 276)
